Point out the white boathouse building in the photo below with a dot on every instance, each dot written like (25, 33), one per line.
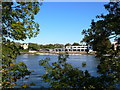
(80, 48)
(24, 45)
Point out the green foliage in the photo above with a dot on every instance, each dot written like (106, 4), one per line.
(11, 71)
(101, 31)
(23, 50)
(33, 46)
(75, 44)
(24, 86)
(84, 64)
(32, 84)
(99, 35)
(68, 44)
(18, 24)
(9, 52)
(52, 46)
(17, 44)
(110, 66)
(60, 74)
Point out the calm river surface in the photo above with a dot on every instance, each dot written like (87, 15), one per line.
(32, 62)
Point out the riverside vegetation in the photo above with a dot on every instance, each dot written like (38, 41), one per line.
(17, 25)
(61, 74)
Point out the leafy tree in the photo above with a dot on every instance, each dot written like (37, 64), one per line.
(58, 45)
(60, 74)
(17, 24)
(75, 44)
(99, 35)
(68, 44)
(104, 29)
(17, 44)
(52, 46)
(33, 46)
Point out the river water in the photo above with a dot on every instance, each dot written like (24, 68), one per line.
(32, 62)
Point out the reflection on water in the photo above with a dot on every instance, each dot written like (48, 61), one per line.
(32, 62)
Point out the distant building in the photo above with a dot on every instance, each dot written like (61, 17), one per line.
(24, 45)
(45, 50)
(59, 49)
(32, 51)
(80, 48)
(115, 45)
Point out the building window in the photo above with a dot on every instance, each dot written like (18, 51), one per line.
(66, 50)
(82, 49)
(74, 49)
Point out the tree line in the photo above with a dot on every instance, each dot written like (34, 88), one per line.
(35, 46)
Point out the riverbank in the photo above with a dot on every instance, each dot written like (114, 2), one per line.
(56, 53)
